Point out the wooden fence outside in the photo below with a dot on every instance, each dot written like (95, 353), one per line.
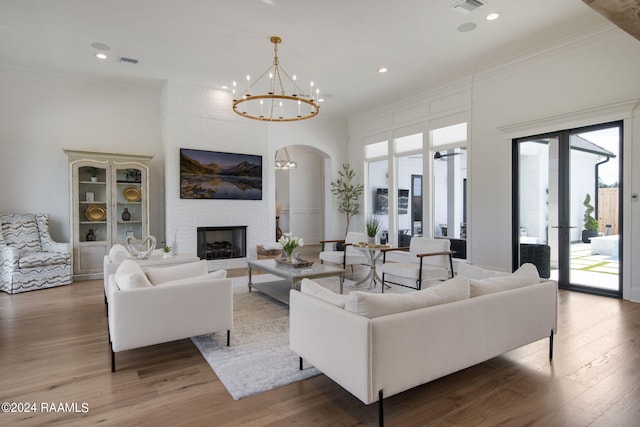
(608, 210)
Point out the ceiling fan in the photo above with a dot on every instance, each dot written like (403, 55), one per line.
(439, 155)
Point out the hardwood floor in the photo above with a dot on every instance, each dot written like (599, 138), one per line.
(54, 349)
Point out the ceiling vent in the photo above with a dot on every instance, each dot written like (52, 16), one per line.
(127, 60)
(468, 6)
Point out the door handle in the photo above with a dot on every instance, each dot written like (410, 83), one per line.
(564, 226)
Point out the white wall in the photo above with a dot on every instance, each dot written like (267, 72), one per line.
(41, 113)
(567, 85)
(198, 117)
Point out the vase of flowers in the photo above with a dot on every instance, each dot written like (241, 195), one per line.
(289, 242)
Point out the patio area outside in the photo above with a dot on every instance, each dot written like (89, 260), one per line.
(598, 271)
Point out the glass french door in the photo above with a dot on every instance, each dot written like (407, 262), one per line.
(567, 208)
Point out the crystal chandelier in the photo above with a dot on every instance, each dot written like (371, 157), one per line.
(286, 163)
(276, 104)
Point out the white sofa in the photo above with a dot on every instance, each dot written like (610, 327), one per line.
(383, 344)
(157, 307)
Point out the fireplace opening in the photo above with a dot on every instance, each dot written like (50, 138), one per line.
(222, 242)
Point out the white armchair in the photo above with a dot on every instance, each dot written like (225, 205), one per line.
(348, 256)
(29, 258)
(143, 314)
(429, 260)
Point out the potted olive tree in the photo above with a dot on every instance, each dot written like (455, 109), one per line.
(347, 193)
(590, 223)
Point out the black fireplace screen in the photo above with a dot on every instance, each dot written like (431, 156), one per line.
(222, 242)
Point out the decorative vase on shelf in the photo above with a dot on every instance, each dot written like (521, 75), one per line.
(91, 237)
(126, 215)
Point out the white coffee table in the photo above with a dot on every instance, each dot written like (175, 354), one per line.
(279, 290)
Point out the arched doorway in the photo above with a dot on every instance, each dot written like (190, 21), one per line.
(300, 193)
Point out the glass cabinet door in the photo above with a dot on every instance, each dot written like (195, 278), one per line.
(93, 209)
(129, 201)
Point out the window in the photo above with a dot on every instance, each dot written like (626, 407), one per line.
(376, 192)
(409, 187)
(450, 185)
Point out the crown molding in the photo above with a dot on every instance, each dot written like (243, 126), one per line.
(77, 80)
(604, 113)
(601, 34)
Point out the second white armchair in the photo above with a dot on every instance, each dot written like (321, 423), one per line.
(348, 255)
(429, 260)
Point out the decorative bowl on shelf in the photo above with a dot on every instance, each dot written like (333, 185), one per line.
(132, 194)
(95, 213)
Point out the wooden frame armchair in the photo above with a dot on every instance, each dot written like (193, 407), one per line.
(348, 256)
(429, 259)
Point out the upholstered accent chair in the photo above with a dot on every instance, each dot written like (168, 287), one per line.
(429, 260)
(348, 255)
(29, 258)
(166, 304)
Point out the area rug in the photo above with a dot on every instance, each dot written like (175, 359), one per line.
(259, 358)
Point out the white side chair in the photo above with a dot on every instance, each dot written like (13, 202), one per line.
(429, 260)
(350, 255)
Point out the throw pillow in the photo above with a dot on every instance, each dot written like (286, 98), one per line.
(119, 253)
(215, 275)
(315, 289)
(474, 272)
(526, 275)
(129, 275)
(376, 305)
(175, 272)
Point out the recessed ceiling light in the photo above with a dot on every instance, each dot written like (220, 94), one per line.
(382, 70)
(225, 87)
(467, 26)
(101, 55)
(493, 16)
(100, 46)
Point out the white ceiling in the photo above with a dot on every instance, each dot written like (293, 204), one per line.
(339, 44)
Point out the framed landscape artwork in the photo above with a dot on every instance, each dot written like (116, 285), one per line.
(218, 175)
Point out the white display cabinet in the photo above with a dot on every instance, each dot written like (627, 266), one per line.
(109, 201)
